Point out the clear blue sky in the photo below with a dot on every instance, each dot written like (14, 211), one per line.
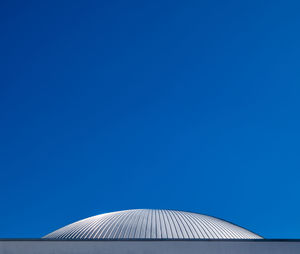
(111, 105)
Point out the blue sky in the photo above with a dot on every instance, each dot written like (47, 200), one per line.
(112, 105)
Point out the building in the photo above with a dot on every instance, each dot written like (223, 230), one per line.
(150, 231)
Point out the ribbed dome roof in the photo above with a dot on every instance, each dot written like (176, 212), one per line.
(151, 224)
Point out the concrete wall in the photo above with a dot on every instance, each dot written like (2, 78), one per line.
(147, 247)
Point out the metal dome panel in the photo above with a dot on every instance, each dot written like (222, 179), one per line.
(151, 224)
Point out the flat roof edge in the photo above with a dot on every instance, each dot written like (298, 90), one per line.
(149, 240)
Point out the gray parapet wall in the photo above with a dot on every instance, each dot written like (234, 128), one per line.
(12, 246)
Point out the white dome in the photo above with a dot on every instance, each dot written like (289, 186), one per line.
(151, 224)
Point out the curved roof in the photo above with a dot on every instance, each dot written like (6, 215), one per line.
(151, 224)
